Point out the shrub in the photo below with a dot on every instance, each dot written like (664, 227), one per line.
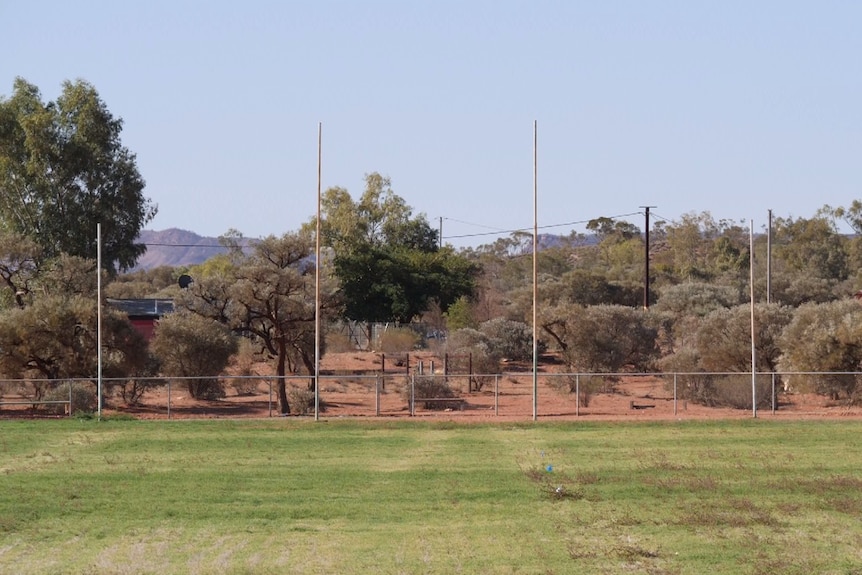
(399, 339)
(825, 338)
(132, 390)
(585, 386)
(509, 339)
(339, 343)
(242, 364)
(188, 345)
(301, 401)
(471, 352)
(83, 396)
(430, 387)
(734, 391)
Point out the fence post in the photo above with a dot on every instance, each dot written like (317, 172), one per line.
(497, 394)
(169, 399)
(383, 368)
(269, 380)
(674, 394)
(578, 394)
(773, 393)
(377, 394)
(412, 396)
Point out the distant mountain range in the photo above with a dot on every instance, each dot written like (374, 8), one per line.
(175, 247)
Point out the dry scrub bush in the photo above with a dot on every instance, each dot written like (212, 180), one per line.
(733, 391)
(83, 398)
(301, 401)
(397, 340)
(431, 387)
(242, 364)
(584, 385)
(133, 389)
(339, 343)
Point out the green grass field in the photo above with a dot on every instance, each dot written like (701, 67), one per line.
(294, 496)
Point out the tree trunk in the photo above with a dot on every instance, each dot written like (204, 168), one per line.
(283, 406)
(308, 362)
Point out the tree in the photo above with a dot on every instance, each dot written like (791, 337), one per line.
(460, 314)
(699, 248)
(19, 265)
(724, 337)
(53, 333)
(825, 337)
(63, 169)
(603, 338)
(696, 299)
(268, 295)
(811, 246)
(389, 264)
(194, 347)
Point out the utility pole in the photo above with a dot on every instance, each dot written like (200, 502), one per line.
(646, 256)
(440, 234)
(769, 258)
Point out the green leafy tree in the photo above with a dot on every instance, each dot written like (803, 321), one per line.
(460, 314)
(388, 262)
(811, 246)
(699, 248)
(63, 169)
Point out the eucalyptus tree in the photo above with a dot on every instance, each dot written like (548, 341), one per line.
(52, 333)
(389, 262)
(19, 266)
(63, 169)
(811, 246)
(269, 296)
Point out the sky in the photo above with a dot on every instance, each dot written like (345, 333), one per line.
(729, 107)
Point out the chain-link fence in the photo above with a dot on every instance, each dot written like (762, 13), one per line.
(516, 395)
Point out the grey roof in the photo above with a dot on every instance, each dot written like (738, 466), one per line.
(154, 308)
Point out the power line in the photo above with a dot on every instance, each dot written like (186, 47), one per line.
(496, 231)
(527, 229)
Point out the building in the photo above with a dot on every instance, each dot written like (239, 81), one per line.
(143, 313)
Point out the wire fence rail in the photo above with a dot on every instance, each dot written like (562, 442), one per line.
(510, 394)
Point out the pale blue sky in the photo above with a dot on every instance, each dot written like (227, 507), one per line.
(731, 107)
